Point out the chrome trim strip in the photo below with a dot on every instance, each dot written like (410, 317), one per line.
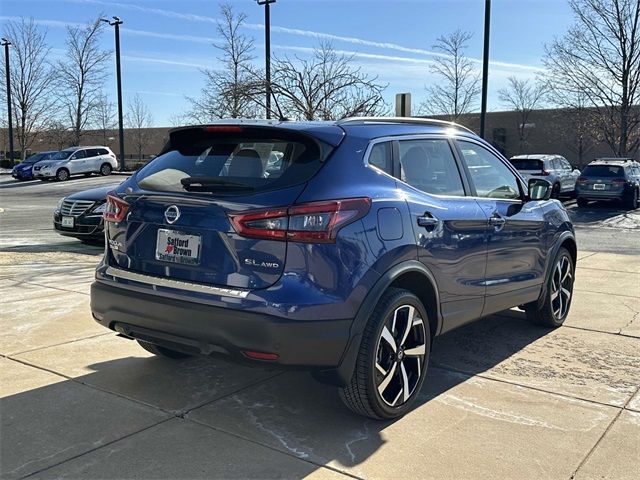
(177, 284)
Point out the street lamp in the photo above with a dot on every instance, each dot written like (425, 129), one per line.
(116, 22)
(267, 51)
(5, 43)
(485, 65)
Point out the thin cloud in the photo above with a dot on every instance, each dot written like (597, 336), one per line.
(162, 61)
(304, 33)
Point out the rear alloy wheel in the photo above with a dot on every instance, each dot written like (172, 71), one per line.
(162, 351)
(393, 358)
(105, 169)
(558, 295)
(62, 175)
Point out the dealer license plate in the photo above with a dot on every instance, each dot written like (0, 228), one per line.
(68, 222)
(178, 247)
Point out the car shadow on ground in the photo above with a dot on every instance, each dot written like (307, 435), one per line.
(285, 411)
(76, 246)
(596, 213)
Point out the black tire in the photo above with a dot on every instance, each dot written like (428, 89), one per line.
(378, 359)
(632, 203)
(105, 170)
(162, 351)
(558, 294)
(582, 202)
(555, 191)
(62, 175)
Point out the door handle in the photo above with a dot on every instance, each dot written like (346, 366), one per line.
(497, 221)
(427, 220)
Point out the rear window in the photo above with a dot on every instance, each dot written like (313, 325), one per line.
(526, 164)
(603, 171)
(266, 159)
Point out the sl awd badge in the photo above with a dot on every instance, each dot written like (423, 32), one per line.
(172, 214)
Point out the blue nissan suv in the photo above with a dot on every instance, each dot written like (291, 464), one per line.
(341, 247)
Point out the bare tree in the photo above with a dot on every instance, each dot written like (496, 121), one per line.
(600, 57)
(324, 87)
(139, 121)
(523, 96)
(105, 118)
(82, 75)
(31, 81)
(458, 86)
(228, 92)
(57, 134)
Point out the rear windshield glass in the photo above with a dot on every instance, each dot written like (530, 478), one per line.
(526, 164)
(603, 171)
(230, 164)
(34, 158)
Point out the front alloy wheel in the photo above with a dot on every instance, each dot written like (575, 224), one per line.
(557, 300)
(393, 358)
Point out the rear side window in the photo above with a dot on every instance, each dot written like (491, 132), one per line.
(603, 171)
(526, 164)
(102, 151)
(429, 165)
(92, 152)
(380, 157)
(232, 164)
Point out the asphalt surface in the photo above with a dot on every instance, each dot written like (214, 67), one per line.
(28, 207)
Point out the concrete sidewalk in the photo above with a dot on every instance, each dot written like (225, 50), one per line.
(503, 399)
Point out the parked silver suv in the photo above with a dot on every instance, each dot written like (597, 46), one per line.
(77, 160)
(553, 168)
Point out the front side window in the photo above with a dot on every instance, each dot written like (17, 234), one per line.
(62, 155)
(429, 165)
(491, 177)
(79, 154)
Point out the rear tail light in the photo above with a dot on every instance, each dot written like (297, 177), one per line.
(544, 173)
(619, 181)
(115, 210)
(317, 222)
(223, 129)
(269, 357)
(582, 180)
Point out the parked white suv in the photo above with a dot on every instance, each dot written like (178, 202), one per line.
(554, 168)
(77, 160)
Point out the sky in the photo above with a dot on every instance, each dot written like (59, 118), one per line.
(166, 43)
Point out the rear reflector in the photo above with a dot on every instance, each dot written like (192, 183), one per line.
(317, 222)
(271, 357)
(115, 209)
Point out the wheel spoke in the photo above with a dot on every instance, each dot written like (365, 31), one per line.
(380, 369)
(387, 337)
(405, 383)
(555, 294)
(410, 315)
(415, 351)
(385, 382)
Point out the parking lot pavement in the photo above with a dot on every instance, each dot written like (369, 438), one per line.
(503, 399)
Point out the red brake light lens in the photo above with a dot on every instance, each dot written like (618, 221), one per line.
(619, 180)
(582, 180)
(115, 210)
(317, 222)
(222, 129)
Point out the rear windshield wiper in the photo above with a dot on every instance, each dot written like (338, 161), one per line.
(209, 184)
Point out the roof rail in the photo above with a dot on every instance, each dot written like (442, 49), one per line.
(407, 120)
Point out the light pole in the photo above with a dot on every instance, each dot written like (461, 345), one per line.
(5, 44)
(267, 51)
(485, 65)
(116, 22)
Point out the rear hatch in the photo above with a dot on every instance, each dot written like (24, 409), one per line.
(602, 178)
(529, 167)
(177, 220)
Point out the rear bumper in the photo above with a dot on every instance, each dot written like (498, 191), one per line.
(601, 195)
(206, 329)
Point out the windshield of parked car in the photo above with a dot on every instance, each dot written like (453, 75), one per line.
(232, 164)
(526, 164)
(34, 158)
(62, 155)
(603, 171)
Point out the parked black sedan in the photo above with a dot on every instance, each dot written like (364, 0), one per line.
(80, 215)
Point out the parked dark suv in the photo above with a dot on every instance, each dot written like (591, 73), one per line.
(610, 179)
(340, 247)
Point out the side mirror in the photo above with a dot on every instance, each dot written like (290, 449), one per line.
(539, 189)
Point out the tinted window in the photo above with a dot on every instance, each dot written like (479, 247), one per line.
(491, 177)
(80, 154)
(430, 166)
(102, 151)
(92, 152)
(380, 156)
(526, 164)
(232, 164)
(603, 171)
